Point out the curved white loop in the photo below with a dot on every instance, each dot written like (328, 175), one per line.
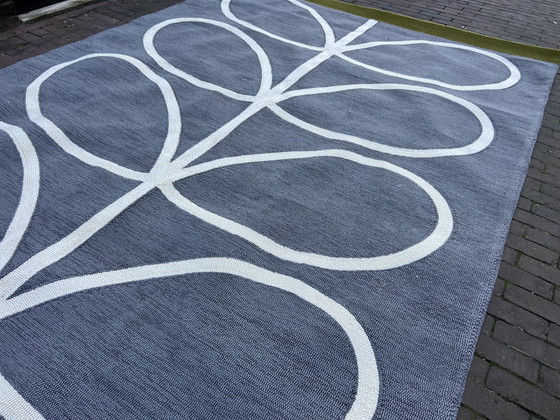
(266, 71)
(367, 392)
(329, 35)
(484, 139)
(514, 75)
(13, 406)
(436, 239)
(174, 119)
(29, 192)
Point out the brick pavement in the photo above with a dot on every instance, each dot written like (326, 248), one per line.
(535, 22)
(515, 373)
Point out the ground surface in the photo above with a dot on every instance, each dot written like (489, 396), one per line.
(515, 373)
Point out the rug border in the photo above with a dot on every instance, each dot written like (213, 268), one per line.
(448, 32)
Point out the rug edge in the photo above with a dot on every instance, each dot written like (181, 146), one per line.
(448, 32)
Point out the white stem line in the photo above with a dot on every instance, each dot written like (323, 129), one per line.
(209, 142)
(367, 392)
(314, 62)
(267, 98)
(484, 139)
(13, 280)
(13, 406)
(174, 119)
(326, 28)
(266, 71)
(29, 192)
(435, 240)
(512, 79)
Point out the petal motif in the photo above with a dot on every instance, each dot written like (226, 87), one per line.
(484, 139)
(174, 119)
(437, 238)
(512, 79)
(266, 72)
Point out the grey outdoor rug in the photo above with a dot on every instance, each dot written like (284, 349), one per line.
(254, 210)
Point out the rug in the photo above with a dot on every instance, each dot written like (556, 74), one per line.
(247, 209)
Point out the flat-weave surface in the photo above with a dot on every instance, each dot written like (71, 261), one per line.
(306, 221)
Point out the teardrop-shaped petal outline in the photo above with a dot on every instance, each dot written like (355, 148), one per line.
(329, 35)
(266, 71)
(367, 392)
(29, 192)
(436, 239)
(174, 119)
(484, 139)
(513, 78)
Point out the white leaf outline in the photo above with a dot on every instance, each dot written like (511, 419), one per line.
(512, 79)
(29, 192)
(266, 71)
(174, 119)
(329, 35)
(367, 392)
(432, 242)
(481, 142)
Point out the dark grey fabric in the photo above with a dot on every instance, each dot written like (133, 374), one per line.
(215, 345)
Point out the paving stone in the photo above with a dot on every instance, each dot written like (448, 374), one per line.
(539, 197)
(532, 183)
(513, 314)
(499, 286)
(490, 404)
(526, 280)
(479, 369)
(549, 138)
(466, 414)
(542, 307)
(527, 344)
(539, 269)
(546, 212)
(532, 249)
(549, 379)
(552, 191)
(554, 334)
(39, 31)
(505, 356)
(523, 202)
(488, 325)
(543, 238)
(31, 38)
(552, 170)
(510, 255)
(538, 221)
(523, 393)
